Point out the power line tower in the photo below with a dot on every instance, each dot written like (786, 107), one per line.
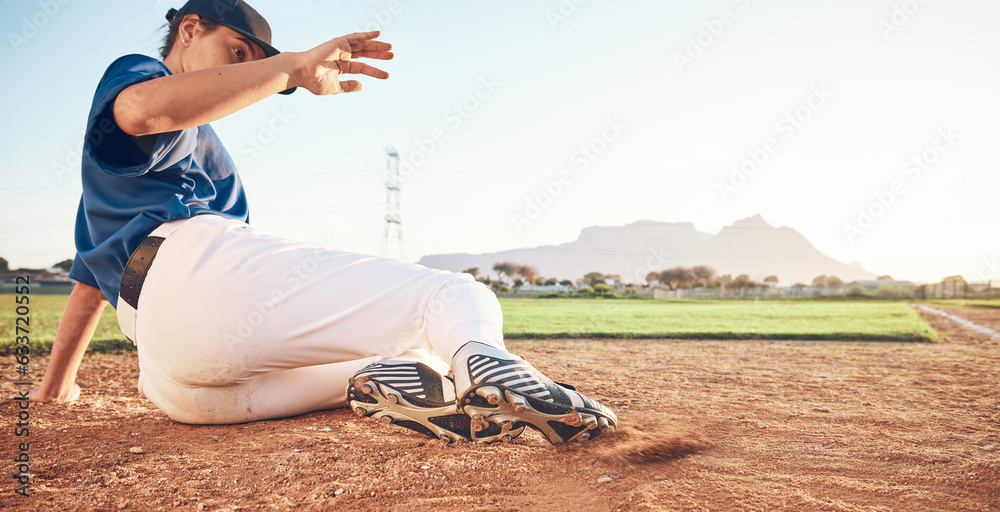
(392, 239)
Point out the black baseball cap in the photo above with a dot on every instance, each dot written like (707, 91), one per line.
(236, 15)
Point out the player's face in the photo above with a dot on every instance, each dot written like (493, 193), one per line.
(219, 47)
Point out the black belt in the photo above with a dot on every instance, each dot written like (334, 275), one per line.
(136, 268)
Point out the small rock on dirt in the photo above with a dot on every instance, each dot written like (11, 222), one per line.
(136, 450)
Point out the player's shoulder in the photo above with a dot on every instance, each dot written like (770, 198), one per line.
(135, 64)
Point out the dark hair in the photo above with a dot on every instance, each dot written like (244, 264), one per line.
(174, 25)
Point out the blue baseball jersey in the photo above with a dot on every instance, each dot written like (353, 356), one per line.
(128, 191)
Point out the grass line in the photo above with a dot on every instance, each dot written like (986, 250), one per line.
(598, 318)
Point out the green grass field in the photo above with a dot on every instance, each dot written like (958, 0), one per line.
(715, 319)
(44, 314)
(597, 318)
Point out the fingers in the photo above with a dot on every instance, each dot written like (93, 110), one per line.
(364, 54)
(373, 46)
(362, 36)
(350, 86)
(360, 68)
(359, 45)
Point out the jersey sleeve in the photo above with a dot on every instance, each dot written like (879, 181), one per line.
(81, 273)
(116, 151)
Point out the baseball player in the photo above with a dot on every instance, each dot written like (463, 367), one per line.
(234, 325)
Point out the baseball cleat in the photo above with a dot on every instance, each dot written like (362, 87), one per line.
(497, 388)
(412, 395)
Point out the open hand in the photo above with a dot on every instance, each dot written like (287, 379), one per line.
(35, 395)
(325, 63)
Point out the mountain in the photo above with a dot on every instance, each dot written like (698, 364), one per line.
(750, 246)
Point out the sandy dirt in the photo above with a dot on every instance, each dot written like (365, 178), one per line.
(764, 425)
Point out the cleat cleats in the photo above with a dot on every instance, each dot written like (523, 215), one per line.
(412, 395)
(524, 398)
(573, 419)
(492, 395)
(519, 403)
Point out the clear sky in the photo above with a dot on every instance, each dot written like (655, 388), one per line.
(831, 109)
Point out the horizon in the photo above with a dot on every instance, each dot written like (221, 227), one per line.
(865, 126)
(756, 278)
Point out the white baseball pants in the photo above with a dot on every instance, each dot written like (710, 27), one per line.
(233, 325)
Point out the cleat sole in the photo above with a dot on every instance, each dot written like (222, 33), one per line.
(558, 423)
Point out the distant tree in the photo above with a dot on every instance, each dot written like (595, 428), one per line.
(550, 282)
(772, 281)
(677, 277)
(505, 269)
(474, 271)
(630, 289)
(585, 291)
(592, 278)
(652, 277)
(613, 277)
(4, 265)
(567, 283)
(518, 283)
(828, 282)
(799, 285)
(703, 276)
(64, 265)
(742, 281)
(527, 273)
(602, 289)
(885, 278)
(724, 281)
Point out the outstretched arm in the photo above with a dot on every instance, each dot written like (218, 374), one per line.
(76, 328)
(194, 98)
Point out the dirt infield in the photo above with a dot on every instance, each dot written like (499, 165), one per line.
(789, 426)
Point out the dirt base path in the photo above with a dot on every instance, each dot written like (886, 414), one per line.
(791, 426)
